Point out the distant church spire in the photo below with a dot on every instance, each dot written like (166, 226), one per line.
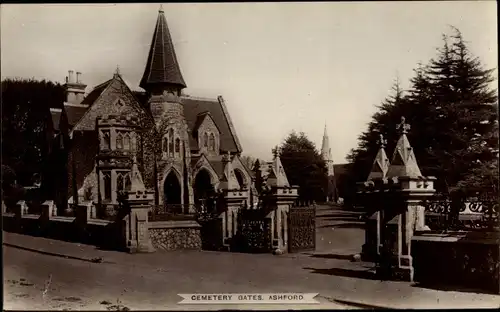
(325, 147)
(162, 68)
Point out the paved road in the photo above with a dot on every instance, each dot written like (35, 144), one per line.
(152, 281)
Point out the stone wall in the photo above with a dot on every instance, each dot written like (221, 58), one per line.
(175, 235)
(465, 259)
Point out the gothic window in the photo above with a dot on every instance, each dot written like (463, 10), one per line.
(119, 141)
(133, 143)
(126, 141)
(177, 146)
(128, 182)
(105, 140)
(106, 176)
(165, 145)
(119, 181)
(171, 142)
(211, 143)
(205, 140)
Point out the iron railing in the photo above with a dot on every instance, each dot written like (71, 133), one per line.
(444, 214)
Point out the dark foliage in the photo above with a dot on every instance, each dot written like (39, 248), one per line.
(26, 124)
(304, 167)
(452, 110)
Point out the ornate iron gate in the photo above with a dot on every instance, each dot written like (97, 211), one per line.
(254, 231)
(302, 229)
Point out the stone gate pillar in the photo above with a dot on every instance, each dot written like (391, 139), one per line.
(405, 212)
(281, 197)
(372, 195)
(233, 197)
(280, 200)
(138, 202)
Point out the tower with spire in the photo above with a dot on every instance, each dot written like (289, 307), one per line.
(181, 143)
(163, 82)
(326, 153)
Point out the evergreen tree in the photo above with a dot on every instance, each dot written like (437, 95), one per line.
(453, 113)
(304, 166)
(464, 114)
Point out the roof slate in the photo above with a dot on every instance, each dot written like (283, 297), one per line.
(95, 93)
(74, 114)
(162, 66)
(195, 106)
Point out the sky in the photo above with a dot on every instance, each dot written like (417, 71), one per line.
(279, 66)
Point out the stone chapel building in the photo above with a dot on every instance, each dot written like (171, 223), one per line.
(181, 144)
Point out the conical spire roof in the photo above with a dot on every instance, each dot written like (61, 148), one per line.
(381, 162)
(404, 163)
(277, 176)
(229, 180)
(137, 185)
(162, 67)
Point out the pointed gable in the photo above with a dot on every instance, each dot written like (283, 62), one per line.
(277, 176)
(137, 184)
(203, 118)
(229, 180)
(114, 99)
(162, 66)
(404, 163)
(381, 162)
(194, 106)
(380, 166)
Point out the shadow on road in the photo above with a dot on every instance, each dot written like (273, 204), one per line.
(351, 225)
(332, 256)
(366, 274)
(444, 287)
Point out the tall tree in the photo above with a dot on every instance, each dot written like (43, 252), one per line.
(453, 112)
(304, 166)
(25, 116)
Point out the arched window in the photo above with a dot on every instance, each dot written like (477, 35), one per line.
(119, 181)
(133, 143)
(177, 146)
(165, 145)
(107, 184)
(126, 142)
(171, 142)
(211, 143)
(205, 140)
(105, 143)
(128, 182)
(119, 141)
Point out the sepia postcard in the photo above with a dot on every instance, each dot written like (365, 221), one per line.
(250, 156)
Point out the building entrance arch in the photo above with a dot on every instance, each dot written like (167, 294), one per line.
(203, 187)
(172, 189)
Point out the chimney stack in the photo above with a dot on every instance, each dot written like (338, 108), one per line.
(75, 90)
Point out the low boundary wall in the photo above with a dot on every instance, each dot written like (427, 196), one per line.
(464, 259)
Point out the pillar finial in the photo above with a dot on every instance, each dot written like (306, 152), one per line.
(117, 71)
(381, 140)
(403, 126)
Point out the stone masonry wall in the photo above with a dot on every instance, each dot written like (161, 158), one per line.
(175, 238)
